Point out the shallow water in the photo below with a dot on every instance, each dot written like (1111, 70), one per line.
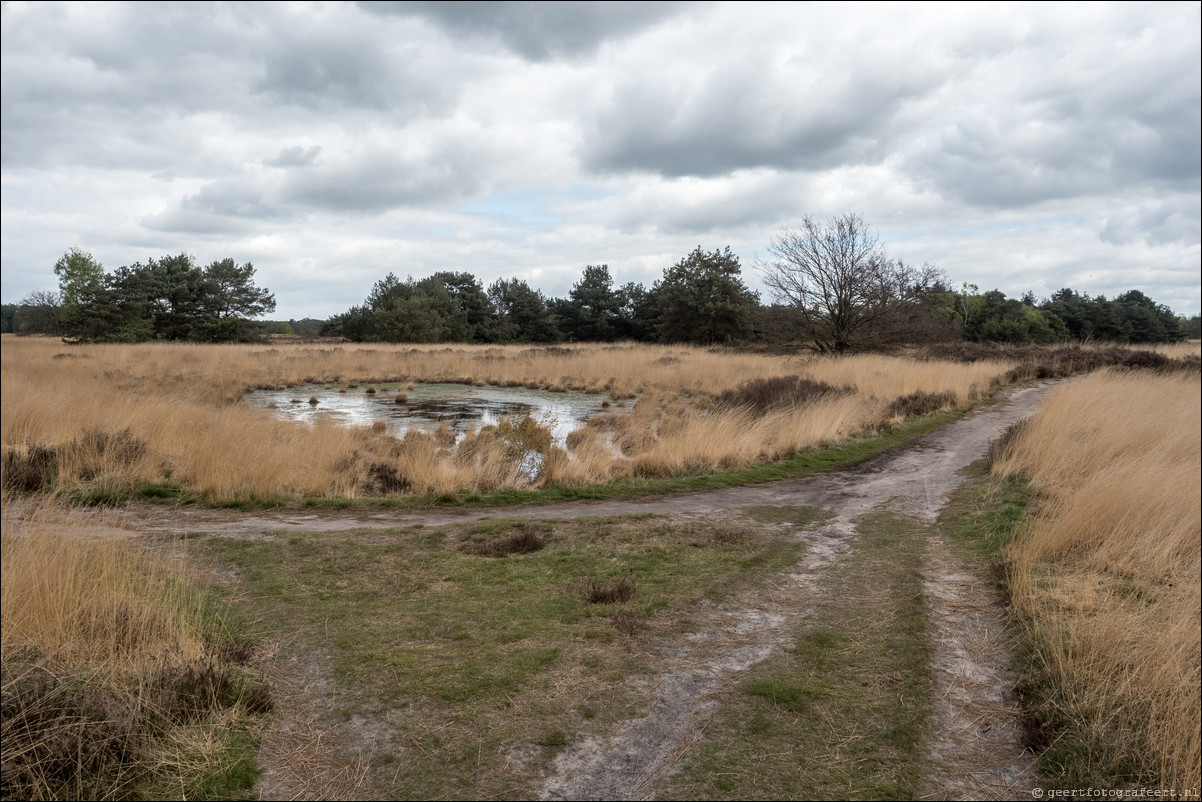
(464, 407)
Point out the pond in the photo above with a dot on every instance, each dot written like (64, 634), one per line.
(465, 408)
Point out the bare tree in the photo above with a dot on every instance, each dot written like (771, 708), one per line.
(38, 313)
(845, 289)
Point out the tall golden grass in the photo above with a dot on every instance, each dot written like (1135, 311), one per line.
(180, 407)
(1109, 576)
(113, 682)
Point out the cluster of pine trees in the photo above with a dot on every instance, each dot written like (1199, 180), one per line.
(171, 298)
(701, 299)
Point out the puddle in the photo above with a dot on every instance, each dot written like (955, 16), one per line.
(463, 407)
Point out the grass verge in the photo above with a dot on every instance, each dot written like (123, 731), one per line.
(842, 714)
(472, 658)
(1106, 579)
(121, 679)
(1091, 528)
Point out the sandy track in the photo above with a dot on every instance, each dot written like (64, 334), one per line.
(975, 752)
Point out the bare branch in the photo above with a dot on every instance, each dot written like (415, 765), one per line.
(840, 280)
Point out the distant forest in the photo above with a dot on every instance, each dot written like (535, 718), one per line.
(702, 299)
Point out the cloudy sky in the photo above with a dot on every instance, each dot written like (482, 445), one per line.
(1022, 147)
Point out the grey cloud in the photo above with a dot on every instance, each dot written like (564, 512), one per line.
(1158, 222)
(321, 74)
(744, 115)
(687, 206)
(295, 156)
(187, 221)
(122, 84)
(227, 205)
(371, 181)
(240, 198)
(539, 30)
(375, 180)
(1026, 160)
(1071, 124)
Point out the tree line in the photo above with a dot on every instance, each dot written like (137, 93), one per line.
(701, 299)
(834, 288)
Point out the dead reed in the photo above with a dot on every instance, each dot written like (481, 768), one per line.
(1109, 575)
(183, 403)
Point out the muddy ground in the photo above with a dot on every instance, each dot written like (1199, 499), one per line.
(975, 752)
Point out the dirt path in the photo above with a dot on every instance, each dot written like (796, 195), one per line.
(923, 473)
(976, 720)
(970, 684)
(975, 752)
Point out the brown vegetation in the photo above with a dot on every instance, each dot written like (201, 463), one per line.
(618, 592)
(119, 419)
(74, 423)
(116, 682)
(1109, 576)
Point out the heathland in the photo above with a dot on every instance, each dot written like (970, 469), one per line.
(132, 669)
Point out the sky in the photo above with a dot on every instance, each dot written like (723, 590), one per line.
(1022, 147)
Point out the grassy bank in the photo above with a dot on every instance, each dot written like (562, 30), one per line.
(121, 680)
(1106, 578)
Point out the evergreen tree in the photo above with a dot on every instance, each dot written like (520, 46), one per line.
(592, 310)
(522, 313)
(702, 299)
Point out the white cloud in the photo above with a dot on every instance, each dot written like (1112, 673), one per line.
(1027, 147)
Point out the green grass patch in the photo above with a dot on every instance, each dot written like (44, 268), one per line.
(471, 658)
(981, 517)
(843, 713)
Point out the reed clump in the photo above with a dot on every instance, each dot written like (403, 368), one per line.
(1108, 576)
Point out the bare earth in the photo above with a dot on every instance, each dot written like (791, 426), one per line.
(975, 752)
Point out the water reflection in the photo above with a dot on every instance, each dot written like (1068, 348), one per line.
(463, 407)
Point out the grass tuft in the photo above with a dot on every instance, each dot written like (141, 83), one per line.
(618, 592)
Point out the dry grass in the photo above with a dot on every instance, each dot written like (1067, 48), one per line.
(1110, 574)
(116, 681)
(1182, 350)
(182, 405)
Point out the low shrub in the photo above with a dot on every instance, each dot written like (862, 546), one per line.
(30, 469)
(778, 392)
(920, 403)
(521, 541)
